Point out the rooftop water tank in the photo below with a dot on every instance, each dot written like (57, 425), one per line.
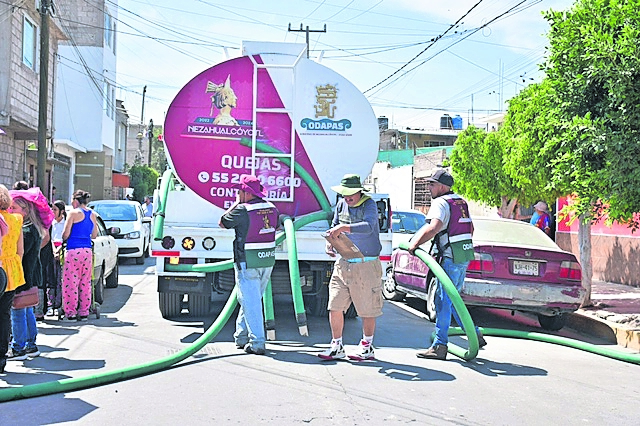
(457, 122)
(446, 122)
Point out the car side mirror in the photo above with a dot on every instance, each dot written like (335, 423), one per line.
(113, 231)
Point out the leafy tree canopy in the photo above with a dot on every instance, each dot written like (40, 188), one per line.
(593, 70)
(143, 180)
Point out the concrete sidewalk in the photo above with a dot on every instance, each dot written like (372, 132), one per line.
(615, 314)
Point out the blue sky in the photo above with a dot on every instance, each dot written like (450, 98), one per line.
(163, 44)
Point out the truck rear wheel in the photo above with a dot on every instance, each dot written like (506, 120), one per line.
(199, 305)
(170, 304)
(316, 305)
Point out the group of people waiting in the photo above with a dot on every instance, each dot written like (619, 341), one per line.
(36, 275)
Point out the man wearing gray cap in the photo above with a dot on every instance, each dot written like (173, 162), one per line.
(451, 227)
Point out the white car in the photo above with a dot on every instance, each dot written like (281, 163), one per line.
(404, 224)
(105, 255)
(135, 229)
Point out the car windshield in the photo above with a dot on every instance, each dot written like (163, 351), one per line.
(116, 212)
(407, 222)
(510, 232)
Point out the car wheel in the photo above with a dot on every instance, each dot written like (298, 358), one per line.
(432, 287)
(552, 323)
(146, 250)
(140, 260)
(199, 305)
(389, 290)
(170, 304)
(112, 279)
(98, 288)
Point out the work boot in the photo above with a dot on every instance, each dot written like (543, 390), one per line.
(250, 349)
(481, 342)
(434, 352)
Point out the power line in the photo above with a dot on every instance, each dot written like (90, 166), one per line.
(433, 41)
(454, 43)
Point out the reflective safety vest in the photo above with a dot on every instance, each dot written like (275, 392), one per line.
(458, 231)
(260, 245)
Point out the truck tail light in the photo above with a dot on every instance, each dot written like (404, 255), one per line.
(173, 260)
(483, 262)
(570, 271)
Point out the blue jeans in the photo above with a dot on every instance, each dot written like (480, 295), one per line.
(251, 284)
(456, 272)
(23, 328)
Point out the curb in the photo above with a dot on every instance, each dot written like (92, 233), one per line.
(610, 331)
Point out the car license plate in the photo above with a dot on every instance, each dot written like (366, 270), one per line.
(525, 268)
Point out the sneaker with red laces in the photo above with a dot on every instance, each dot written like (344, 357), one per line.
(364, 352)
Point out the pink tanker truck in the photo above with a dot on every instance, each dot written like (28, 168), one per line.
(296, 125)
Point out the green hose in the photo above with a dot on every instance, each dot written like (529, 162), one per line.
(280, 237)
(125, 373)
(462, 311)
(294, 275)
(165, 185)
(318, 192)
(558, 340)
(269, 315)
(458, 305)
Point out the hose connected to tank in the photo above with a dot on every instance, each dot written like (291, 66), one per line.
(469, 328)
(126, 373)
(458, 305)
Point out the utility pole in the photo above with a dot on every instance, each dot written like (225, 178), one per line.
(307, 31)
(144, 92)
(43, 95)
(150, 135)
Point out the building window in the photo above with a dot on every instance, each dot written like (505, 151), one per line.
(29, 45)
(109, 32)
(108, 97)
(432, 143)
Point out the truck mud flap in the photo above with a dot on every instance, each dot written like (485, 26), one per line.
(184, 285)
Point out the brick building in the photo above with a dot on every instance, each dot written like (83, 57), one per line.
(19, 92)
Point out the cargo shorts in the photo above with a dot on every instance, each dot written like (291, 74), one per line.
(360, 283)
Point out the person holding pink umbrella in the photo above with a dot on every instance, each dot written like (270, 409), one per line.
(37, 216)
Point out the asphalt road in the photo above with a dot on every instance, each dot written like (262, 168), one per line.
(511, 381)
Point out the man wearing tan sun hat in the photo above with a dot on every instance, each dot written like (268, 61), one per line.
(356, 280)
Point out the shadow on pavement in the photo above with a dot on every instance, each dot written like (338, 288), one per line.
(59, 409)
(391, 370)
(495, 369)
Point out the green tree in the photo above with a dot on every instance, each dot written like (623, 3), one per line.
(594, 70)
(158, 156)
(531, 121)
(477, 164)
(143, 180)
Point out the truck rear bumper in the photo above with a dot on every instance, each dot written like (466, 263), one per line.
(183, 285)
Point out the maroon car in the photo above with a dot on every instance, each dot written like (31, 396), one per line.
(516, 267)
